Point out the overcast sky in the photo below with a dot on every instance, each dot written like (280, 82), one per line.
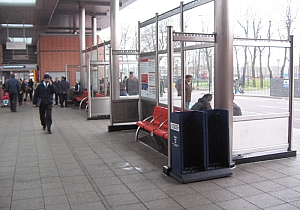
(142, 10)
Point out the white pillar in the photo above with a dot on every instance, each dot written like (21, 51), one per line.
(94, 30)
(114, 42)
(82, 45)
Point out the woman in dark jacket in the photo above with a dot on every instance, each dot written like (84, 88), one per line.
(30, 88)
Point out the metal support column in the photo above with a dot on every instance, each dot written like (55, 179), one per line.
(291, 91)
(114, 43)
(223, 72)
(183, 93)
(157, 79)
(170, 62)
(82, 45)
(88, 68)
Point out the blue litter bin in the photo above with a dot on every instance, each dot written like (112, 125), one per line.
(200, 145)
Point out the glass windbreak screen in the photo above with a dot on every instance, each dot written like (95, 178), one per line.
(129, 76)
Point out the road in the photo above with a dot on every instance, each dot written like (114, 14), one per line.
(254, 105)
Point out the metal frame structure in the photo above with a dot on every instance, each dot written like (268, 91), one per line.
(221, 43)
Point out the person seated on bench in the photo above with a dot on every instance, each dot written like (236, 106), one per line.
(236, 109)
(77, 91)
(203, 103)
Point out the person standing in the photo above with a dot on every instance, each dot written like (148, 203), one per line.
(13, 87)
(57, 85)
(161, 86)
(132, 85)
(44, 92)
(30, 88)
(24, 90)
(188, 90)
(20, 94)
(64, 90)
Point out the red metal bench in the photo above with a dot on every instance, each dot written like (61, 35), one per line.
(154, 120)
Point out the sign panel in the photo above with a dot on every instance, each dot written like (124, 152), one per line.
(16, 45)
(147, 69)
(20, 57)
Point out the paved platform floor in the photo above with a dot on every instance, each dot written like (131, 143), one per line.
(82, 166)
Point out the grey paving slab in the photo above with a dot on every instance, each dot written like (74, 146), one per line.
(33, 203)
(121, 199)
(27, 194)
(237, 204)
(114, 189)
(82, 166)
(264, 200)
(167, 203)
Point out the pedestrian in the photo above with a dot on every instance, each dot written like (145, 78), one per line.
(132, 85)
(161, 86)
(188, 90)
(64, 88)
(123, 87)
(24, 87)
(20, 94)
(57, 85)
(203, 103)
(30, 88)
(236, 109)
(13, 87)
(43, 97)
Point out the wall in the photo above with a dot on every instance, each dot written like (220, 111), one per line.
(55, 51)
(1, 54)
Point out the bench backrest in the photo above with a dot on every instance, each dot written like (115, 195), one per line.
(157, 114)
(84, 94)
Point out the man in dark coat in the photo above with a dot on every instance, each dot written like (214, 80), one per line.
(64, 88)
(188, 90)
(13, 87)
(44, 92)
(57, 85)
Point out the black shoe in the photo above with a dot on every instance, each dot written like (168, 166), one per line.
(49, 132)
(56, 104)
(44, 127)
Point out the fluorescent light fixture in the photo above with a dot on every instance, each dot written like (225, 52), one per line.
(4, 25)
(28, 40)
(17, 2)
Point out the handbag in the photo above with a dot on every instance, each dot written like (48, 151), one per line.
(38, 102)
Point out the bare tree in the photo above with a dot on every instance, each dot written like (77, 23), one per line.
(289, 17)
(269, 52)
(246, 31)
(236, 50)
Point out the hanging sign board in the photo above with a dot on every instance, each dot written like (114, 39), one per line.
(20, 57)
(16, 45)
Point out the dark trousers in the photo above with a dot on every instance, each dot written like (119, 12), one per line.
(63, 99)
(57, 98)
(13, 101)
(20, 97)
(46, 115)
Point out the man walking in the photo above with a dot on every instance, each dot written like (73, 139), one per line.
(57, 85)
(64, 90)
(13, 87)
(44, 94)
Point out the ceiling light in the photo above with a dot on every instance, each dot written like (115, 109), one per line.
(17, 2)
(4, 25)
(28, 40)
